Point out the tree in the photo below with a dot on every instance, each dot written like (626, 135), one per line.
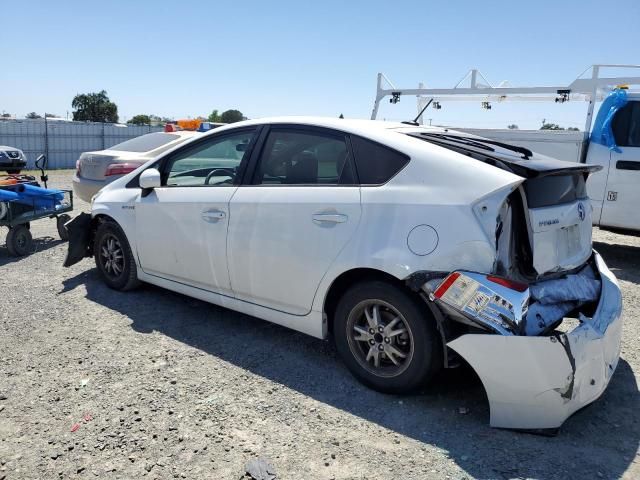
(573, 129)
(6, 115)
(214, 117)
(32, 116)
(140, 120)
(513, 126)
(50, 115)
(94, 107)
(231, 116)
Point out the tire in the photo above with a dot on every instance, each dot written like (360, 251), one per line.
(398, 310)
(19, 241)
(13, 171)
(62, 231)
(114, 258)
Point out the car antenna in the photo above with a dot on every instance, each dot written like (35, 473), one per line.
(415, 120)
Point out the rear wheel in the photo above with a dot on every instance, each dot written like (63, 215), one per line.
(62, 230)
(114, 258)
(13, 171)
(19, 241)
(387, 339)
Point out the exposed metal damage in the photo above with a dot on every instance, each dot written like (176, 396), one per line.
(535, 375)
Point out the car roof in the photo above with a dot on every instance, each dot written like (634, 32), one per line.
(374, 129)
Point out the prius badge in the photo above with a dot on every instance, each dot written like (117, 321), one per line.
(581, 212)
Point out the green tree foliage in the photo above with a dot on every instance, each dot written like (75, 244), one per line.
(215, 117)
(94, 107)
(551, 126)
(513, 126)
(231, 116)
(32, 116)
(140, 120)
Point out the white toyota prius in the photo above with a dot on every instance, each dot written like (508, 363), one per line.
(411, 247)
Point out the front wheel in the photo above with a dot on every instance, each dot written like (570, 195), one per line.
(114, 258)
(386, 338)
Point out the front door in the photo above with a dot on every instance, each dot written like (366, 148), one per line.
(182, 225)
(622, 193)
(288, 226)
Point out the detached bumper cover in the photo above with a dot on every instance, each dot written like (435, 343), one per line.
(538, 382)
(78, 246)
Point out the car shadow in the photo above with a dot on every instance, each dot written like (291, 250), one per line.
(622, 260)
(452, 414)
(39, 244)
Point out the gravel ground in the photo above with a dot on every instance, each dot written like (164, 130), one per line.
(95, 383)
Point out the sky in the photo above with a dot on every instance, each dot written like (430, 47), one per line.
(266, 58)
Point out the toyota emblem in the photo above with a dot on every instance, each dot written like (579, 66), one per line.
(581, 212)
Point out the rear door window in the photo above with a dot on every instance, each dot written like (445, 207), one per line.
(375, 163)
(304, 157)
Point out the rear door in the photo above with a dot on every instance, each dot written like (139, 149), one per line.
(181, 227)
(622, 194)
(287, 226)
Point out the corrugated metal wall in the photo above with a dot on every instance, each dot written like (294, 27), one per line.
(64, 141)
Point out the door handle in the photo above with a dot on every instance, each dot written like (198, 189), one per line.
(329, 218)
(213, 215)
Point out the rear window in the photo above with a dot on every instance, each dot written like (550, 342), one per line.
(555, 190)
(145, 143)
(376, 164)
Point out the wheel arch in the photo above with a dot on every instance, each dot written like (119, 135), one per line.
(349, 278)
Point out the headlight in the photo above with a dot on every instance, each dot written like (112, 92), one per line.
(3, 155)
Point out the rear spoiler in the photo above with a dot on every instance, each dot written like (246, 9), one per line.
(516, 159)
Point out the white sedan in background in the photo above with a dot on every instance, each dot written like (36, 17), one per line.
(410, 247)
(96, 169)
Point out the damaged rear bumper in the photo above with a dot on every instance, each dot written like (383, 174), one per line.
(538, 382)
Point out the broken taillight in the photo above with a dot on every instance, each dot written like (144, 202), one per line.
(491, 301)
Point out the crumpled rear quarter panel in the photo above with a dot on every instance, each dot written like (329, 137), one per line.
(538, 382)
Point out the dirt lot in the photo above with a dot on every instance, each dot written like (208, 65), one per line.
(164, 386)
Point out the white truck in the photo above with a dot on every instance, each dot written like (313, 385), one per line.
(612, 140)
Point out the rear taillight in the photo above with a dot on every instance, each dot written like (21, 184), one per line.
(517, 286)
(120, 169)
(496, 302)
(78, 167)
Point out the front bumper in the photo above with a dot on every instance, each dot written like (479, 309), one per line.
(538, 382)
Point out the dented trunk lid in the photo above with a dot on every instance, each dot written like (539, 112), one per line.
(559, 215)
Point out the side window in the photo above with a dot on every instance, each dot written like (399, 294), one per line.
(375, 163)
(626, 125)
(299, 157)
(215, 162)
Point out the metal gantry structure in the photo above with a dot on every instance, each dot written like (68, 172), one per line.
(590, 88)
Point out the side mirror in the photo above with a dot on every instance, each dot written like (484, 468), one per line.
(150, 178)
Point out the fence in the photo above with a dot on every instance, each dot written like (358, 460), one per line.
(63, 141)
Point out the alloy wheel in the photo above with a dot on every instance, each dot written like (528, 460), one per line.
(380, 338)
(112, 256)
